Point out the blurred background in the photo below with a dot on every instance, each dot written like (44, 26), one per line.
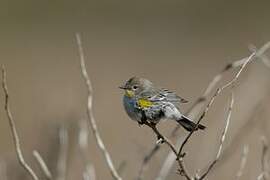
(177, 44)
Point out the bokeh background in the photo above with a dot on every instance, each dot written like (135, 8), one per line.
(178, 44)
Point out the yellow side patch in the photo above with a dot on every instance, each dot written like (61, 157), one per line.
(143, 103)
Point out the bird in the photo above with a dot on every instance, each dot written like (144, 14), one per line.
(143, 101)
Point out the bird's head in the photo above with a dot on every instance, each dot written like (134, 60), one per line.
(135, 86)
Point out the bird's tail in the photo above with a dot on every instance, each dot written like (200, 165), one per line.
(188, 124)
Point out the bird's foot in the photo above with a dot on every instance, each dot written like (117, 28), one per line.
(160, 140)
(140, 123)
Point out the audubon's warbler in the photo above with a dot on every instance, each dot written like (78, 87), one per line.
(145, 102)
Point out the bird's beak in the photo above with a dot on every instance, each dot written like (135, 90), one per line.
(122, 87)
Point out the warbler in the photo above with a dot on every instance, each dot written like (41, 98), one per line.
(143, 101)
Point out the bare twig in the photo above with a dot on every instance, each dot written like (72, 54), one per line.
(168, 162)
(92, 122)
(264, 159)
(42, 165)
(171, 146)
(160, 136)
(12, 125)
(63, 153)
(260, 177)
(265, 60)
(243, 162)
(89, 171)
(259, 53)
(83, 136)
(200, 101)
(222, 139)
(219, 90)
(242, 63)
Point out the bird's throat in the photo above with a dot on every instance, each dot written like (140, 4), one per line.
(129, 93)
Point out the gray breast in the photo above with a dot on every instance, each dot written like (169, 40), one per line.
(130, 107)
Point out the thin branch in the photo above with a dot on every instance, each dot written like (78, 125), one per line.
(63, 153)
(264, 159)
(243, 63)
(243, 162)
(92, 121)
(160, 136)
(222, 139)
(12, 125)
(168, 162)
(219, 90)
(240, 63)
(200, 101)
(42, 165)
(171, 146)
(89, 171)
(260, 177)
(210, 88)
(265, 60)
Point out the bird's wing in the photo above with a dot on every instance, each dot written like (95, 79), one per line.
(162, 95)
(170, 96)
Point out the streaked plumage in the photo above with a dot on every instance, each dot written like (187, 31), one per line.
(144, 101)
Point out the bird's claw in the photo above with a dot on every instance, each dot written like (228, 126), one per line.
(160, 141)
(140, 123)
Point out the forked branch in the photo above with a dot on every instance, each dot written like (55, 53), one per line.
(200, 102)
(223, 136)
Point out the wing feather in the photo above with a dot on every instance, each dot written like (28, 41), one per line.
(162, 95)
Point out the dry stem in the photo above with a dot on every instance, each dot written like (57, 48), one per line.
(92, 121)
(242, 63)
(63, 153)
(171, 146)
(243, 162)
(42, 165)
(221, 140)
(200, 101)
(15, 135)
(219, 90)
(89, 171)
(264, 159)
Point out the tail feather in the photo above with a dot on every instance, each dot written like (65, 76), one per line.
(189, 125)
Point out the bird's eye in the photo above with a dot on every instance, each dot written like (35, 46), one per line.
(135, 87)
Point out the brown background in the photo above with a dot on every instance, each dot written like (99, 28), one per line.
(177, 44)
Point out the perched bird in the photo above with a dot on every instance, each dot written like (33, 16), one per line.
(145, 102)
